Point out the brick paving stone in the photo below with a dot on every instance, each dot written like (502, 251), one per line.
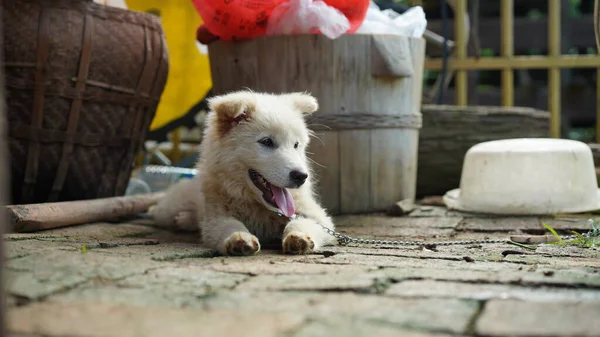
(546, 254)
(189, 277)
(577, 278)
(104, 231)
(569, 251)
(459, 214)
(479, 253)
(491, 272)
(34, 287)
(20, 248)
(455, 235)
(168, 286)
(439, 289)
(519, 318)
(362, 282)
(32, 236)
(38, 275)
(508, 224)
(434, 315)
(471, 235)
(111, 231)
(375, 221)
(93, 319)
(163, 252)
(574, 278)
(329, 327)
(399, 261)
(568, 223)
(395, 233)
(185, 285)
(467, 275)
(149, 296)
(430, 212)
(278, 266)
(557, 262)
(503, 224)
(119, 246)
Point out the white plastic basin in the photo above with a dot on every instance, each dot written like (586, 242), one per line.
(527, 176)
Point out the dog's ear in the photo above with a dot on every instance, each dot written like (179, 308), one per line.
(306, 103)
(231, 109)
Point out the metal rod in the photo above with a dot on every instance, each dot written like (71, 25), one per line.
(507, 13)
(445, 54)
(176, 140)
(554, 71)
(460, 10)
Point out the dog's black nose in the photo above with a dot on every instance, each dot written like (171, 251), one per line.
(298, 177)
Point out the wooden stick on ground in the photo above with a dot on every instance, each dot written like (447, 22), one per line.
(533, 239)
(35, 217)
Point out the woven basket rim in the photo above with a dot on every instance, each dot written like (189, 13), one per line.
(104, 12)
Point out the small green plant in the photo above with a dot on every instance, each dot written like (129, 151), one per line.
(83, 248)
(560, 240)
(588, 240)
(591, 238)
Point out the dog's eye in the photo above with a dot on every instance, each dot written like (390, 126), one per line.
(268, 142)
(296, 145)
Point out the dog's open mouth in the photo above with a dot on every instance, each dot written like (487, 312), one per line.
(275, 196)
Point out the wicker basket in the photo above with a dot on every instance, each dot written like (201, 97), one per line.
(83, 82)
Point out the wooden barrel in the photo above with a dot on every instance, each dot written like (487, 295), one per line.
(369, 91)
(83, 81)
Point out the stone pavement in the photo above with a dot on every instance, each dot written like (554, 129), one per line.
(132, 279)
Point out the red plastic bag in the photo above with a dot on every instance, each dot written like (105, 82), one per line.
(247, 19)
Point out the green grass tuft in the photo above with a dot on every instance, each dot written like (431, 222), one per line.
(589, 240)
(560, 240)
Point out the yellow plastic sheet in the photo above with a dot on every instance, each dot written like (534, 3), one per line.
(189, 71)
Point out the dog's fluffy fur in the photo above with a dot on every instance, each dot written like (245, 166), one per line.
(232, 215)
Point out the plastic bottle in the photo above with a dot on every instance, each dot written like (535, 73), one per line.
(158, 178)
(137, 186)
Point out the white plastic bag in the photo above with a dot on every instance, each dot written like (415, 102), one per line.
(410, 23)
(113, 3)
(202, 48)
(307, 17)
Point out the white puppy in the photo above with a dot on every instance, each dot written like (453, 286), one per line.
(253, 165)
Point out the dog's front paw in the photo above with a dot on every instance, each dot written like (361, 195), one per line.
(241, 243)
(297, 243)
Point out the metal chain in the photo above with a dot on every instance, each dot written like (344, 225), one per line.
(344, 239)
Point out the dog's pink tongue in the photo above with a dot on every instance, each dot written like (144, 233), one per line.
(284, 200)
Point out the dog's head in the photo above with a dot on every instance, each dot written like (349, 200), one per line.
(261, 139)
